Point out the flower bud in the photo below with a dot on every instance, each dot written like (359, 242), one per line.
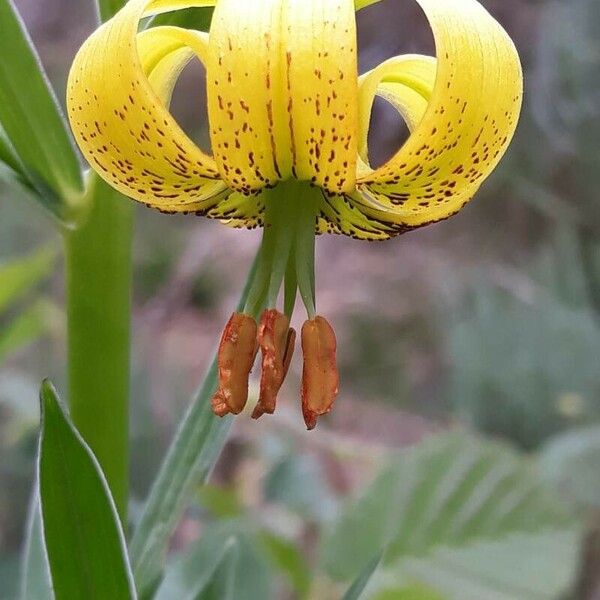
(320, 378)
(276, 340)
(236, 355)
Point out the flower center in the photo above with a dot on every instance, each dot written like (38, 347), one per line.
(286, 258)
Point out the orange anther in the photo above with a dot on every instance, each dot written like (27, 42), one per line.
(276, 340)
(320, 378)
(236, 355)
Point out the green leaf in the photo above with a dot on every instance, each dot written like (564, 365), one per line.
(226, 562)
(519, 567)
(82, 532)
(27, 327)
(32, 120)
(290, 561)
(570, 462)
(17, 182)
(190, 18)
(35, 574)
(360, 583)
(7, 154)
(451, 492)
(20, 275)
(190, 459)
(192, 572)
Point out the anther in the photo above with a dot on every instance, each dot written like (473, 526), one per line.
(320, 378)
(235, 358)
(276, 341)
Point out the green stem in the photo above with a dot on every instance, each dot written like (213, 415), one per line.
(98, 285)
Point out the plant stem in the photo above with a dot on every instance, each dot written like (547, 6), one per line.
(98, 287)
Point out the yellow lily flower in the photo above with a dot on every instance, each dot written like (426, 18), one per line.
(289, 119)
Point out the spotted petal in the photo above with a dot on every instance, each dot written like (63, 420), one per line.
(406, 82)
(282, 92)
(119, 90)
(461, 136)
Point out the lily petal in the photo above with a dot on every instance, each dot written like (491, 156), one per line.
(468, 124)
(282, 92)
(119, 90)
(406, 82)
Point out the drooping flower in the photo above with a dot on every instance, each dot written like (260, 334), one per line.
(289, 120)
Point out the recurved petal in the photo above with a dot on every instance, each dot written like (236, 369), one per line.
(406, 82)
(118, 94)
(470, 119)
(282, 91)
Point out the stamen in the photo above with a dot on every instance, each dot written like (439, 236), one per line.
(236, 355)
(276, 340)
(320, 378)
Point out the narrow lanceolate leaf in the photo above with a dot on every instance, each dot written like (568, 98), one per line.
(190, 459)
(360, 583)
(31, 119)
(82, 532)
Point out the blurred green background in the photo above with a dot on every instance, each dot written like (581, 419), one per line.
(467, 432)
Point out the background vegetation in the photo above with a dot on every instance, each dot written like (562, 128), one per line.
(466, 438)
